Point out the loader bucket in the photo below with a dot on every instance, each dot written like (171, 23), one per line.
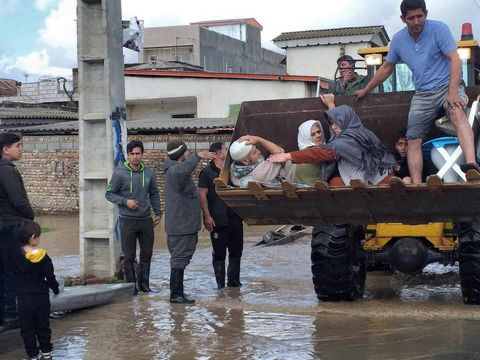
(384, 114)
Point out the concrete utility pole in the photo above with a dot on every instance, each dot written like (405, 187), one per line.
(101, 89)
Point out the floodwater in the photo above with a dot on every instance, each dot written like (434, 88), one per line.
(275, 315)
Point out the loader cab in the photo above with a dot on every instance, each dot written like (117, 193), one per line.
(401, 78)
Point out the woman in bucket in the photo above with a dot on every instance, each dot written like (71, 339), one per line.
(311, 133)
(359, 152)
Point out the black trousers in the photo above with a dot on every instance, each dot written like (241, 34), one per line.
(227, 237)
(8, 302)
(34, 316)
(131, 230)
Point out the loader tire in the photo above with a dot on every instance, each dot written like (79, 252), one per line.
(469, 261)
(338, 262)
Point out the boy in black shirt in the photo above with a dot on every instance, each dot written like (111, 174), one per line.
(34, 276)
(401, 156)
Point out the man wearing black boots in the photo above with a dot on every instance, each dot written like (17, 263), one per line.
(133, 188)
(224, 225)
(182, 213)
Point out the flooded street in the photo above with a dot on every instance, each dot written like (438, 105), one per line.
(275, 315)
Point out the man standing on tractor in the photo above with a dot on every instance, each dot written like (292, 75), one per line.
(429, 50)
(349, 81)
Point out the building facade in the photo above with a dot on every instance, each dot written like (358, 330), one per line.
(219, 46)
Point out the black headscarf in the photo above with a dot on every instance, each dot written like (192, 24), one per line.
(356, 143)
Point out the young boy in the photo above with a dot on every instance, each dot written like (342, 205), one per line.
(34, 274)
(401, 156)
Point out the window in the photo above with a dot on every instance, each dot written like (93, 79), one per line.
(399, 80)
(183, 116)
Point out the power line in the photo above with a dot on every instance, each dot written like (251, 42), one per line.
(476, 2)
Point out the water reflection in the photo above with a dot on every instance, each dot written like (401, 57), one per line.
(275, 315)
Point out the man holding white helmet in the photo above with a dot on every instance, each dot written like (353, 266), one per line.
(250, 165)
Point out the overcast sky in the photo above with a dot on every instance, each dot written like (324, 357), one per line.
(39, 36)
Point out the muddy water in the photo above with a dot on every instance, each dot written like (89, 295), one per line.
(275, 315)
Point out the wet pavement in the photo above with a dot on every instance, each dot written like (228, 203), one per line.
(275, 315)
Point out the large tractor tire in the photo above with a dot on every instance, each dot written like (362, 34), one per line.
(338, 262)
(469, 260)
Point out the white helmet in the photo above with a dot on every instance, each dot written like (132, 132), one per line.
(239, 150)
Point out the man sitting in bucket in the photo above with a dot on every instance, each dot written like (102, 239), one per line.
(249, 164)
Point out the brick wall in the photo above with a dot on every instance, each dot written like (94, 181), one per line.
(49, 166)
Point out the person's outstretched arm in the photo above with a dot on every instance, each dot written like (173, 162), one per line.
(380, 76)
(257, 140)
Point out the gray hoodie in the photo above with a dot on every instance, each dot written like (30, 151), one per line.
(182, 206)
(128, 184)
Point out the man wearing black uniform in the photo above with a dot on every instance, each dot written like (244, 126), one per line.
(224, 225)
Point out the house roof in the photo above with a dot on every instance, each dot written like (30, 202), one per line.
(347, 31)
(138, 125)
(233, 76)
(29, 112)
(9, 87)
(249, 21)
(165, 65)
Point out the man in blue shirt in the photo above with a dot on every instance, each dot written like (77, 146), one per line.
(429, 50)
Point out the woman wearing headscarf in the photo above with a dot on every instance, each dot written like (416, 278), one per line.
(311, 134)
(359, 152)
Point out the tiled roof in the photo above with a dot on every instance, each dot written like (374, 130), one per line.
(138, 125)
(36, 113)
(314, 34)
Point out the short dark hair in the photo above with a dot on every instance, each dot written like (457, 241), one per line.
(401, 135)
(408, 5)
(25, 229)
(216, 146)
(346, 58)
(133, 144)
(8, 139)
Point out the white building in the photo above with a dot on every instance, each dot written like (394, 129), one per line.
(314, 52)
(173, 94)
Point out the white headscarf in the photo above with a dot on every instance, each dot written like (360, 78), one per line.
(304, 130)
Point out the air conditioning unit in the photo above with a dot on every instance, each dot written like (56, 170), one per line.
(152, 59)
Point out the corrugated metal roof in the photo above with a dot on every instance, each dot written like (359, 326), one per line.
(36, 113)
(313, 34)
(138, 125)
(181, 124)
(166, 65)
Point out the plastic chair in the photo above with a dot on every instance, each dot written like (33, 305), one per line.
(452, 158)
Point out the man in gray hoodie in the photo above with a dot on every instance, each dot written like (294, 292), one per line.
(133, 188)
(182, 213)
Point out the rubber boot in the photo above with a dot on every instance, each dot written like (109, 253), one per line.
(177, 296)
(129, 270)
(219, 269)
(233, 272)
(144, 277)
